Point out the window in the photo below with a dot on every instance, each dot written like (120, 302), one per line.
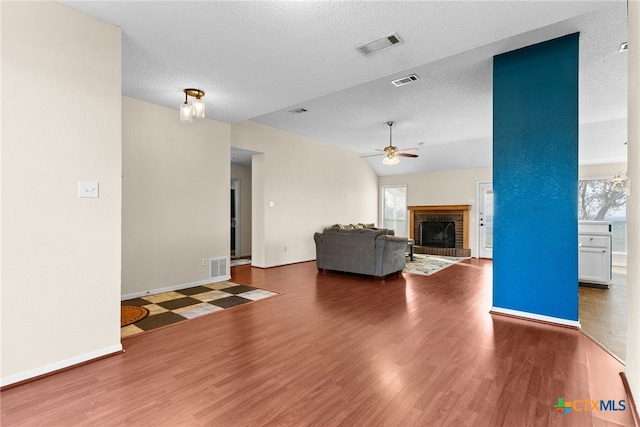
(603, 200)
(394, 208)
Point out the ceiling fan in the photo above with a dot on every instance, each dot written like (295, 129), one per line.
(392, 152)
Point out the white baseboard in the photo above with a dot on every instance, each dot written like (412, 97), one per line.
(171, 288)
(536, 317)
(53, 367)
(283, 264)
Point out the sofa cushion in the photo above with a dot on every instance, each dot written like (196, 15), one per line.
(367, 231)
(356, 227)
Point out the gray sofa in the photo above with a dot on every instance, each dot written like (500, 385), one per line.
(364, 251)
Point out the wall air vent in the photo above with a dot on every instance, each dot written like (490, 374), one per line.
(405, 80)
(219, 269)
(298, 111)
(379, 44)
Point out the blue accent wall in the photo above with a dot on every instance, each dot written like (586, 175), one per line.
(535, 179)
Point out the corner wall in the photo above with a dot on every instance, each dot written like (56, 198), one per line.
(535, 178)
(61, 90)
(175, 197)
(311, 185)
(632, 368)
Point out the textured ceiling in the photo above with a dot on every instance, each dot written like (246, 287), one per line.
(259, 59)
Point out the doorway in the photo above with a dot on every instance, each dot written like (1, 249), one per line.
(485, 220)
(235, 218)
(603, 311)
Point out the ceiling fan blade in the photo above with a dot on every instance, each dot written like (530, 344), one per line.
(391, 151)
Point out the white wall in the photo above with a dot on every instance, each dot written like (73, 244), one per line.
(243, 174)
(601, 171)
(175, 197)
(60, 124)
(632, 368)
(311, 185)
(457, 187)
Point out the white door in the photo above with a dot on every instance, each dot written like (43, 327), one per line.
(485, 220)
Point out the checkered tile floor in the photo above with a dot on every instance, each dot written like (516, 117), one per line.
(171, 307)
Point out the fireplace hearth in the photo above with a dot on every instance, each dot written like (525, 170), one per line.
(440, 230)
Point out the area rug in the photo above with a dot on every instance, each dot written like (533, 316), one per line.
(131, 314)
(430, 264)
(175, 306)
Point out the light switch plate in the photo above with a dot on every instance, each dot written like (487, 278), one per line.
(88, 189)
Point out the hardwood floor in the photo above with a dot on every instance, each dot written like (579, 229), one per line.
(603, 313)
(338, 349)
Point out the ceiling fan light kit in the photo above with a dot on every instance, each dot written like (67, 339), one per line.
(393, 152)
(196, 109)
(391, 160)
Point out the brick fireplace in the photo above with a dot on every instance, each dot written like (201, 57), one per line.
(453, 221)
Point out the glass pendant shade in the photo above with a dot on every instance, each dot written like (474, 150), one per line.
(389, 161)
(198, 108)
(186, 115)
(619, 178)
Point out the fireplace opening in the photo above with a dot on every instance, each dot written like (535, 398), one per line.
(438, 234)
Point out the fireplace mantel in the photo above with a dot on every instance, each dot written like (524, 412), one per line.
(460, 210)
(439, 208)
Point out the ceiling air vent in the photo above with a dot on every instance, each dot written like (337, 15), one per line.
(405, 80)
(298, 111)
(379, 44)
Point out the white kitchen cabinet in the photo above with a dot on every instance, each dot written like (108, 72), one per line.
(594, 253)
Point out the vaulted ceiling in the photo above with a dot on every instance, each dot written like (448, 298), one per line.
(258, 60)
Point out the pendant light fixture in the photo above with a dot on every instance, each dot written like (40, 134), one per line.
(620, 179)
(187, 111)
